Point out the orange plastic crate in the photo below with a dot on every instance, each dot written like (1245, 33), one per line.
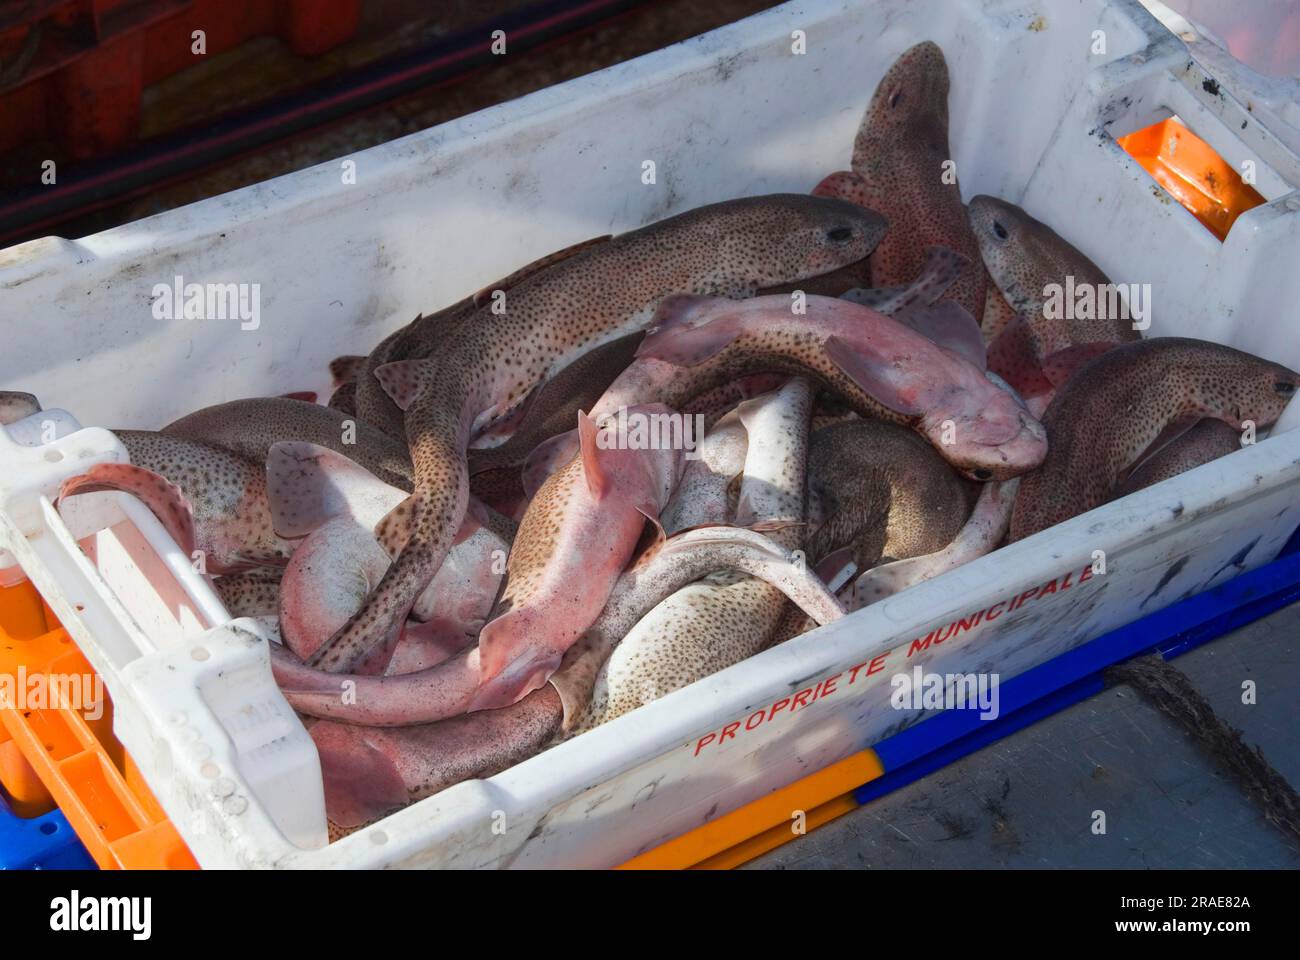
(1192, 173)
(65, 753)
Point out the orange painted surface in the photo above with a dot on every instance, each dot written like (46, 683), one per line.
(774, 837)
(64, 753)
(767, 822)
(1193, 174)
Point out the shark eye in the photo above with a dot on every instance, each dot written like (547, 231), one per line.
(895, 98)
(1284, 387)
(982, 474)
(1000, 230)
(840, 234)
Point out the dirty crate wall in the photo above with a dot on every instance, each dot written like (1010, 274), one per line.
(731, 113)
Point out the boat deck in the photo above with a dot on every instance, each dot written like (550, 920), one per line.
(1028, 799)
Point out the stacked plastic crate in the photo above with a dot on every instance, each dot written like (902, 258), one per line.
(70, 796)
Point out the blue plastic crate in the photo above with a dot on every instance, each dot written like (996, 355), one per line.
(46, 842)
(1071, 677)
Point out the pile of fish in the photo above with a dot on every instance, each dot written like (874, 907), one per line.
(647, 457)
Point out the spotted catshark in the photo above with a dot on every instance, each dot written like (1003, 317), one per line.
(903, 167)
(489, 364)
(883, 368)
(1128, 401)
(1027, 260)
(371, 771)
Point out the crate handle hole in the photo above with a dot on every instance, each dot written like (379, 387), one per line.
(1190, 171)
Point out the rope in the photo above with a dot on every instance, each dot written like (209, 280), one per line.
(1170, 690)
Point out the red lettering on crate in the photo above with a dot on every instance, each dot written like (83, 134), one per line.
(829, 685)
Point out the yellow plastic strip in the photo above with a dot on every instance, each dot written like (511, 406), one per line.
(766, 820)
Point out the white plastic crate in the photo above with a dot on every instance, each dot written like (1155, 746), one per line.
(442, 212)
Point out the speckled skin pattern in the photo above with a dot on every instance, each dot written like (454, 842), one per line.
(984, 530)
(1206, 440)
(250, 427)
(552, 411)
(992, 437)
(252, 594)
(345, 369)
(1024, 256)
(344, 399)
(660, 575)
(898, 159)
(422, 336)
(881, 490)
(335, 504)
(701, 629)
(492, 361)
(707, 493)
(997, 312)
(726, 617)
(371, 771)
(443, 690)
(1111, 411)
(572, 544)
(227, 495)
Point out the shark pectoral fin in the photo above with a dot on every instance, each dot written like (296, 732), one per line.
(1170, 432)
(164, 499)
(830, 568)
(402, 380)
(476, 517)
(546, 458)
(575, 679)
(1012, 356)
(872, 375)
(772, 525)
(1061, 365)
(884, 300)
(307, 485)
(843, 185)
(688, 329)
(943, 265)
(345, 369)
(394, 530)
(598, 482)
(747, 411)
(511, 666)
(650, 511)
(505, 421)
(951, 326)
